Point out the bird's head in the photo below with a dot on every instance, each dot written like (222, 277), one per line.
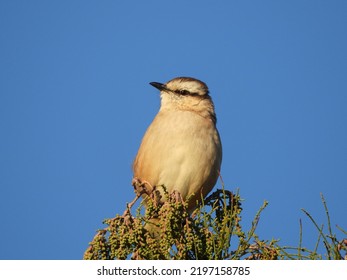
(185, 93)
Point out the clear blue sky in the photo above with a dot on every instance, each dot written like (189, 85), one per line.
(75, 102)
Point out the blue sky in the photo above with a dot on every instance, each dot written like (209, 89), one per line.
(75, 102)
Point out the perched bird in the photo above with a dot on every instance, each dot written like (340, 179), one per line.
(181, 149)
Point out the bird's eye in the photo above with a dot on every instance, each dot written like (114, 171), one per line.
(183, 92)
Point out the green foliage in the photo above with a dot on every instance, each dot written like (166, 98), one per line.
(212, 232)
(335, 249)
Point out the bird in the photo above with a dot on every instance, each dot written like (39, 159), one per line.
(181, 148)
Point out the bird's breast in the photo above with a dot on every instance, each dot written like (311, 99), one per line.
(180, 150)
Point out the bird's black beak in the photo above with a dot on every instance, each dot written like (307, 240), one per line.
(159, 86)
